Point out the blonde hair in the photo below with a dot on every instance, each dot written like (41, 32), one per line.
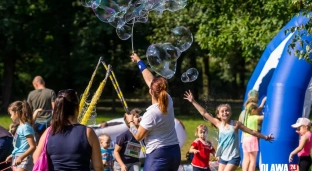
(105, 135)
(251, 100)
(201, 126)
(249, 108)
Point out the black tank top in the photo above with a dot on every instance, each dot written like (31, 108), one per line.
(69, 150)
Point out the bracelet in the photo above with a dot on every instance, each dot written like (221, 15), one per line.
(130, 122)
(141, 65)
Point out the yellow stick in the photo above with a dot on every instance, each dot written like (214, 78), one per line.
(86, 92)
(117, 88)
(95, 98)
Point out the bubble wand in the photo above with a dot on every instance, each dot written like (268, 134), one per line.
(6, 167)
(95, 98)
(123, 102)
(132, 34)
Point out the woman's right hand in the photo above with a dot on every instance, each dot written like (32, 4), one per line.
(189, 96)
(135, 58)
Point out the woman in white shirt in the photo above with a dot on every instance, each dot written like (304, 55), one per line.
(157, 125)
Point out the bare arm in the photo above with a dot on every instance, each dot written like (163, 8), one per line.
(32, 146)
(252, 132)
(36, 114)
(139, 134)
(39, 148)
(96, 151)
(193, 150)
(118, 158)
(189, 96)
(303, 141)
(260, 108)
(147, 75)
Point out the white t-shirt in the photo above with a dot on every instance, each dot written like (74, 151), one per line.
(161, 128)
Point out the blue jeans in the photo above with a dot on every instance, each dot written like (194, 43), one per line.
(6, 148)
(166, 158)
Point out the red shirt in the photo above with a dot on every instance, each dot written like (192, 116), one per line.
(201, 159)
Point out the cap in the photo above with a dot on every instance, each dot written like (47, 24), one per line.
(300, 122)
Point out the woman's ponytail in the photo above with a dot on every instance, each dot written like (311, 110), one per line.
(163, 101)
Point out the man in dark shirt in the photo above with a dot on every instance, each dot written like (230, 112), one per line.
(6, 146)
(41, 98)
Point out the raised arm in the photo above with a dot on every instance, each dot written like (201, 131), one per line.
(147, 75)
(254, 133)
(260, 108)
(189, 96)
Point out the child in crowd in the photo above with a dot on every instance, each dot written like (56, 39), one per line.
(127, 157)
(107, 156)
(23, 141)
(250, 142)
(201, 149)
(303, 126)
(228, 144)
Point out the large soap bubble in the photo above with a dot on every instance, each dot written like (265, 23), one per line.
(119, 13)
(181, 38)
(162, 58)
(190, 75)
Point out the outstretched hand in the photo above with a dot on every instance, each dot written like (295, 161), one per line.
(189, 96)
(135, 58)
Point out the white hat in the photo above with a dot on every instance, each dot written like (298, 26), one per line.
(300, 122)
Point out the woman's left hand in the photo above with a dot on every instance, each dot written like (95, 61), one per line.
(128, 117)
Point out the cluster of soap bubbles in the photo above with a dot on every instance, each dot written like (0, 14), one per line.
(119, 13)
(190, 75)
(162, 57)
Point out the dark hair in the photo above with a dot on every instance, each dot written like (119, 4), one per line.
(135, 111)
(23, 110)
(159, 88)
(66, 105)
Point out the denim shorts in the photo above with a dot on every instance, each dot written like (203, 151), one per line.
(26, 164)
(234, 161)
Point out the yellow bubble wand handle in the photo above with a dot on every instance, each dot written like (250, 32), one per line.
(117, 88)
(95, 98)
(86, 92)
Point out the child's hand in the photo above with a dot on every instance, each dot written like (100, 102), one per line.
(8, 159)
(189, 96)
(218, 158)
(17, 161)
(269, 138)
(290, 157)
(195, 151)
(124, 168)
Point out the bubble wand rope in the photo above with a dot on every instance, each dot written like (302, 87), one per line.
(120, 95)
(6, 167)
(95, 98)
(117, 88)
(132, 35)
(86, 92)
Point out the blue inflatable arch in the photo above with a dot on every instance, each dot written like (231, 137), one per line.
(284, 79)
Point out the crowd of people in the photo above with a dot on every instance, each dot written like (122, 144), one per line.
(35, 130)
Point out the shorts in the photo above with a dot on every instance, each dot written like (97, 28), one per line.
(234, 161)
(200, 169)
(131, 166)
(26, 164)
(165, 158)
(250, 144)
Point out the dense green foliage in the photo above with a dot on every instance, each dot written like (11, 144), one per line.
(62, 41)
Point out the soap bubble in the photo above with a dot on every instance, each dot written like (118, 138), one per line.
(162, 58)
(190, 75)
(124, 32)
(181, 38)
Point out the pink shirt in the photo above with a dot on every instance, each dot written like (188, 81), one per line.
(307, 147)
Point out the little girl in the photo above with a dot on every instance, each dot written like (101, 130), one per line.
(228, 145)
(303, 126)
(23, 141)
(201, 149)
(250, 142)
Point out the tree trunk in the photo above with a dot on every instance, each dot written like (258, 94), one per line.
(8, 75)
